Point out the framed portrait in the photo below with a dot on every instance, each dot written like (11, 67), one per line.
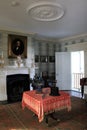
(44, 59)
(37, 59)
(17, 45)
(51, 58)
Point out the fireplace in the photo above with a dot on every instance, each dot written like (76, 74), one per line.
(16, 85)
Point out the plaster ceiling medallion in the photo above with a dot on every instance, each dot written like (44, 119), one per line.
(45, 11)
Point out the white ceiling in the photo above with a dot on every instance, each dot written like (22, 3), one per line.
(14, 16)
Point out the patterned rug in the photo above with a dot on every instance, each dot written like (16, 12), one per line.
(12, 117)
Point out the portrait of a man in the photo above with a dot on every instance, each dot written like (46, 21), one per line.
(17, 45)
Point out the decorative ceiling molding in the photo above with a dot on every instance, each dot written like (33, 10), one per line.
(72, 37)
(15, 3)
(19, 32)
(45, 11)
(77, 47)
(46, 40)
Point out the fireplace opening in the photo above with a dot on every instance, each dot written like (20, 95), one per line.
(16, 85)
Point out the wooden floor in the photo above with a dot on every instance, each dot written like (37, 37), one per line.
(13, 117)
(74, 93)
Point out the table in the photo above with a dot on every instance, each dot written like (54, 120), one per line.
(42, 105)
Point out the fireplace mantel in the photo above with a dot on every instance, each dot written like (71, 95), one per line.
(15, 70)
(9, 71)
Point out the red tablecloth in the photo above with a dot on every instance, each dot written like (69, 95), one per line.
(41, 106)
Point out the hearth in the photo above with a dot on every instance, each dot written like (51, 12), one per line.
(16, 85)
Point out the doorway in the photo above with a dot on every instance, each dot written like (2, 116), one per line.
(77, 69)
(69, 68)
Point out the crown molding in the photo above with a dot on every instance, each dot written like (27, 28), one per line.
(45, 39)
(72, 37)
(19, 32)
(77, 47)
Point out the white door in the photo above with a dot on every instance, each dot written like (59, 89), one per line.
(63, 70)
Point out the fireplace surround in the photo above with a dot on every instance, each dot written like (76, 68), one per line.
(16, 85)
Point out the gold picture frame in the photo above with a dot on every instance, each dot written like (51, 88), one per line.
(17, 45)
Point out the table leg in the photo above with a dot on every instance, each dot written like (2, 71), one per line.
(34, 115)
(82, 90)
(52, 116)
(47, 119)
